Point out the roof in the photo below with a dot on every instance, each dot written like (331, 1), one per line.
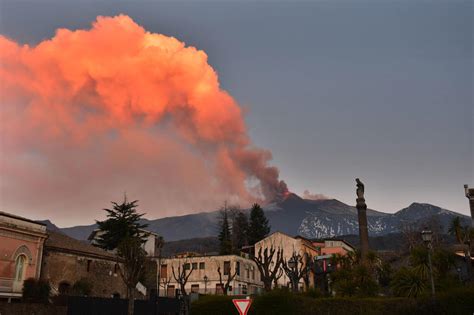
(333, 239)
(62, 243)
(95, 231)
(20, 218)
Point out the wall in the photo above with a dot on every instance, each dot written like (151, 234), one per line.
(28, 309)
(60, 266)
(289, 245)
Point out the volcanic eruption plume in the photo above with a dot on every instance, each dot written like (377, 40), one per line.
(89, 114)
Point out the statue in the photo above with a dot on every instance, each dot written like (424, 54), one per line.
(360, 189)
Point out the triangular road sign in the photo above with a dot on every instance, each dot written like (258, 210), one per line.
(242, 305)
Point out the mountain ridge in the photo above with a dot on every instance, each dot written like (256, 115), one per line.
(294, 215)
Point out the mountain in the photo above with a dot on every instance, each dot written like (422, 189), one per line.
(295, 215)
(49, 225)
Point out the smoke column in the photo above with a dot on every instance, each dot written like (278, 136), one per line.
(89, 114)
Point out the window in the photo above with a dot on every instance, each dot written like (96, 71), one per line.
(194, 288)
(202, 265)
(116, 268)
(89, 262)
(164, 272)
(186, 266)
(253, 274)
(170, 291)
(20, 265)
(248, 273)
(237, 267)
(226, 268)
(244, 289)
(195, 265)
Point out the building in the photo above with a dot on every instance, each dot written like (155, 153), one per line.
(320, 252)
(21, 252)
(333, 247)
(290, 246)
(67, 261)
(204, 276)
(152, 244)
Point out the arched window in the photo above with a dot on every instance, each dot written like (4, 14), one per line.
(20, 266)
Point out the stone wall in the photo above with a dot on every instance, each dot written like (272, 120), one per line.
(103, 274)
(28, 309)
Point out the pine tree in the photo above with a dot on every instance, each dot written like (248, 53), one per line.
(225, 235)
(258, 227)
(122, 223)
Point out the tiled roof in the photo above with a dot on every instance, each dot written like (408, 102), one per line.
(63, 243)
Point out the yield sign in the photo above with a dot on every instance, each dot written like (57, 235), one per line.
(242, 305)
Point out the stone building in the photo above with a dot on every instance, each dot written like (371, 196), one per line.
(67, 260)
(204, 277)
(21, 252)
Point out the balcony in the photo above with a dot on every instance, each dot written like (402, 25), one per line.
(10, 287)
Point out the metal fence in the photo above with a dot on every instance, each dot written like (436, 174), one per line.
(78, 305)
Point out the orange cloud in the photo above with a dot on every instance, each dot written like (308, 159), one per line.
(117, 108)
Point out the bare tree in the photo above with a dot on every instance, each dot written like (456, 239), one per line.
(182, 275)
(411, 236)
(277, 277)
(309, 265)
(230, 276)
(295, 269)
(164, 282)
(268, 262)
(134, 259)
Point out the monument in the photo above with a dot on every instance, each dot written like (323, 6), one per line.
(362, 215)
(470, 195)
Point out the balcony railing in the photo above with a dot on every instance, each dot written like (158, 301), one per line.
(6, 284)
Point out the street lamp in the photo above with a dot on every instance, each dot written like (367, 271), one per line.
(427, 235)
(206, 279)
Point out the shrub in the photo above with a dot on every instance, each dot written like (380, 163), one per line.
(408, 282)
(214, 305)
(36, 291)
(82, 287)
(459, 301)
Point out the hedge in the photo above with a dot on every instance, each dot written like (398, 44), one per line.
(460, 301)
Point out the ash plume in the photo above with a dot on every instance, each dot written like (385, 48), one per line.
(308, 195)
(91, 113)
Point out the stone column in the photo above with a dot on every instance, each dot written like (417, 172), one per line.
(470, 195)
(363, 229)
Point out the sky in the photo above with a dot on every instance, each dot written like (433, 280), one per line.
(335, 90)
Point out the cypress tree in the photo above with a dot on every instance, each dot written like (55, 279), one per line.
(258, 227)
(240, 228)
(225, 241)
